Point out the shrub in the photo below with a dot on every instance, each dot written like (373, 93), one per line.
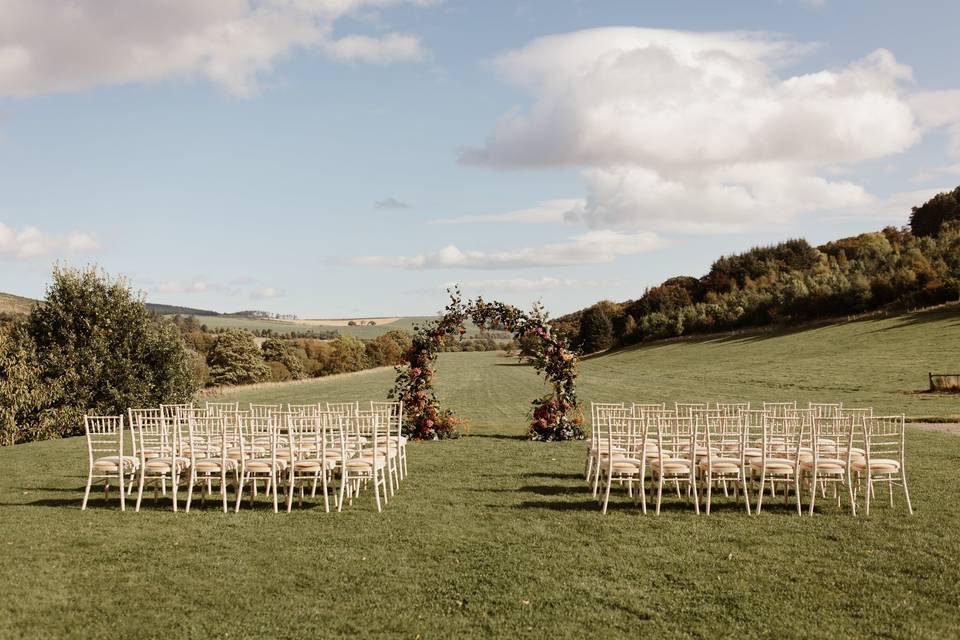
(235, 359)
(280, 351)
(92, 346)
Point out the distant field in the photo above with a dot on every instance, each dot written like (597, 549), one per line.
(881, 363)
(10, 303)
(496, 536)
(363, 332)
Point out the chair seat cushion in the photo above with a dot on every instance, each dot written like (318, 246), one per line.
(208, 465)
(263, 464)
(672, 465)
(112, 463)
(777, 465)
(366, 462)
(626, 465)
(878, 465)
(314, 464)
(165, 464)
(826, 465)
(721, 465)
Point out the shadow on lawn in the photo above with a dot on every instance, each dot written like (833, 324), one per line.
(501, 436)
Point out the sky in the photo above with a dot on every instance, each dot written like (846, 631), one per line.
(349, 158)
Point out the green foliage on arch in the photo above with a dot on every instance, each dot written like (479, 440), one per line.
(555, 416)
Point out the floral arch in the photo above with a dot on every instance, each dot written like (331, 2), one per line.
(555, 416)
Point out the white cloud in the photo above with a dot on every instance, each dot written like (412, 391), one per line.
(699, 132)
(940, 110)
(550, 211)
(29, 242)
(265, 293)
(527, 285)
(54, 45)
(892, 209)
(595, 247)
(196, 285)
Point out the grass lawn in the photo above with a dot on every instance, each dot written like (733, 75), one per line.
(494, 535)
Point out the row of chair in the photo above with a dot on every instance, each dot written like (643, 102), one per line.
(286, 448)
(699, 449)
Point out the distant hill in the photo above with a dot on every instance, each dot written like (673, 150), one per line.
(171, 310)
(15, 305)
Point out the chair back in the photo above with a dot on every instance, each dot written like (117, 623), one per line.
(884, 437)
(105, 436)
(832, 437)
(675, 435)
(826, 409)
(151, 435)
(732, 409)
(344, 408)
(779, 409)
(304, 410)
(264, 410)
(217, 408)
(687, 408)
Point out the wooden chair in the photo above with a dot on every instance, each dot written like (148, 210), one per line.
(675, 435)
(313, 463)
(724, 459)
(779, 462)
(159, 460)
(368, 465)
(394, 413)
(597, 409)
(599, 449)
(884, 460)
(830, 460)
(259, 440)
(624, 433)
(209, 462)
(106, 435)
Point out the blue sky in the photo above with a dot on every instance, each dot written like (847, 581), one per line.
(334, 158)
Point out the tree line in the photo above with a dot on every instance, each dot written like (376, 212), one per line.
(918, 265)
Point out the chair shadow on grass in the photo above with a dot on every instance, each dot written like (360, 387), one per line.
(500, 436)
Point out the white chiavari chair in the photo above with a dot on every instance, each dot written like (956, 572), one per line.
(779, 462)
(209, 463)
(596, 409)
(640, 407)
(394, 411)
(884, 458)
(259, 440)
(830, 460)
(624, 433)
(312, 463)
(599, 449)
(369, 465)
(106, 435)
(675, 435)
(723, 459)
(159, 461)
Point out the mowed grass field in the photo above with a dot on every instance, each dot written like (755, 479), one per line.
(493, 535)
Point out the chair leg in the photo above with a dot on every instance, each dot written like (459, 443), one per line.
(86, 493)
(143, 473)
(192, 481)
(123, 486)
(239, 493)
(274, 480)
(376, 491)
(906, 492)
(869, 492)
(763, 488)
(606, 492)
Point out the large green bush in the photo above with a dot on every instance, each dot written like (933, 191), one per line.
(92, 347)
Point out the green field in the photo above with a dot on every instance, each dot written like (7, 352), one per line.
(364, 332)
(497, 536)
